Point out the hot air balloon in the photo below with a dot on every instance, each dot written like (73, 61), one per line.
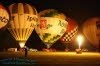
(4, 17)
(91, 29)
(23, 21)
(51, 26)
(70, 33)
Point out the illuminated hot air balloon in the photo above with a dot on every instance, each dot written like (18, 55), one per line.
(91, 29)
(51, 26)
(4, 17)
(23, 21)
(71, 31)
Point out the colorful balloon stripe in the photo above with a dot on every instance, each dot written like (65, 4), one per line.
(50, 14)
(50, 38)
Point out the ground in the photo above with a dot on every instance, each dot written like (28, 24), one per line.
(40, 57)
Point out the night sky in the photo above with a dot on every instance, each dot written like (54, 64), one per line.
(80, 10)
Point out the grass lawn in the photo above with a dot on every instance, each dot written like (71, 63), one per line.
(55, 57)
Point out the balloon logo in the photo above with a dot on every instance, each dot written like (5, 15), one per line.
(71, 31)
(51, 26)
(4, 17)
(23, 21)
(91, 29)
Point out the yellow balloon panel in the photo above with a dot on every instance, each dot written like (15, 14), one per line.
(23, 21)
(51, 25)
(51, 29)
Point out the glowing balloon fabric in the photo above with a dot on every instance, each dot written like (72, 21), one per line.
(91, 29)
(23, 21)
(70, 32)
(51, 26)
(4, 16)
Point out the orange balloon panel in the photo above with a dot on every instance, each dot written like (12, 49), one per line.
(70, 32)
(91, 29)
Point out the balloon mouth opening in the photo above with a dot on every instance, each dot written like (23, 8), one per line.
(48, 45)
(22, 44)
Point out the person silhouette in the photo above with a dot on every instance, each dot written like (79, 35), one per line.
(26, 52)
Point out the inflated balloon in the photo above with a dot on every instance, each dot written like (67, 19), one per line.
(91, 29)
(4, 17)
(71, 31)
(51, 26)
(23, 21)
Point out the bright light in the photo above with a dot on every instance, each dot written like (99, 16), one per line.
(79, 40)
(21, 44)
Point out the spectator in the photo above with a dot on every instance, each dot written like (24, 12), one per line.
(26, 52)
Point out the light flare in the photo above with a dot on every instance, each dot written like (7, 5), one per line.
(79, 39)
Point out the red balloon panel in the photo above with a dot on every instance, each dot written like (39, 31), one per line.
(70, 32)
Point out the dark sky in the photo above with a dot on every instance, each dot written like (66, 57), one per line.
(76, 9)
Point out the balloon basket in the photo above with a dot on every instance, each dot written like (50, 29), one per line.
(22, 49)
(78, 51)
(48, 45)
(68, 47)
(22, 44)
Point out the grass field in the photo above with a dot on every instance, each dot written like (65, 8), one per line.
(55, 57)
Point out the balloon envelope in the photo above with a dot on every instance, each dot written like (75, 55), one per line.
(91, 29)
(4, 17)
(71, 31)
(51, 26)
(23, 21)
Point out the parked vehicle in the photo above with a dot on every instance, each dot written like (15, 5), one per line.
(34, 50)
(12, 49)
(85, 50)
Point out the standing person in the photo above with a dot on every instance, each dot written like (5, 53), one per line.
(26, 52)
